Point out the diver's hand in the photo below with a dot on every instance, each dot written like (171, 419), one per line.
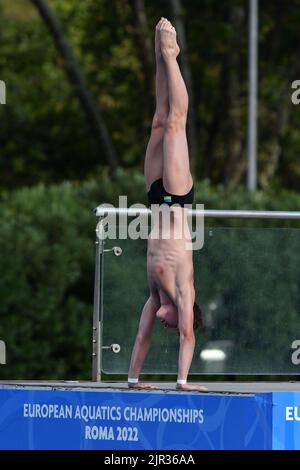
(142, 386)
(198, 388)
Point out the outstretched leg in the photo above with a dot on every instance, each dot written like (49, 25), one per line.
(154, 153)
(176, 169)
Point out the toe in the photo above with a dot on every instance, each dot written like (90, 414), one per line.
(159, 23)
(164, 24)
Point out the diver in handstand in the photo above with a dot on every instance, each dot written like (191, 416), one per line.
(169, 182)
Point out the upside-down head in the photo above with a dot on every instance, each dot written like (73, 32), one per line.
(168, 316)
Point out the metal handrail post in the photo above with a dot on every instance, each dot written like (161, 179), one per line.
(98, 305)
(2, 352)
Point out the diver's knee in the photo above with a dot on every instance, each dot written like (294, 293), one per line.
(176, 122)
(159, 120)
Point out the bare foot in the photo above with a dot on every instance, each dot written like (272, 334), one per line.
(168, 43)
(141, 386)
(157, 39)
(198, 388)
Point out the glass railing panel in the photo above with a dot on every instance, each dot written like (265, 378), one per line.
(247, 283)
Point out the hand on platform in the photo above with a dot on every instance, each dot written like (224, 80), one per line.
(141, 386)
(197, 388)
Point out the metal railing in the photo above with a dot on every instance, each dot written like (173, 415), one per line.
(2, 352)
(102, 212)
(209, 214)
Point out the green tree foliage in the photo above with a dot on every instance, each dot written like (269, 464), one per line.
(44, 312)
(43, 132)
(47, 271)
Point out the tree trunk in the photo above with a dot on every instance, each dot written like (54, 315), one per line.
(145, 50)
(213, 131)
(233, 131)
(176, 12)
(239, 169)
(145, 46)
(87, 102)
(272, 162)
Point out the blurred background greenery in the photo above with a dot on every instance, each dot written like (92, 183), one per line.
(80, 97)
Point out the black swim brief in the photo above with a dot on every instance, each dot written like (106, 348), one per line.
(158, 195)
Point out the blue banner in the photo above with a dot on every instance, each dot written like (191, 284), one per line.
(286, 420)
(81, 419)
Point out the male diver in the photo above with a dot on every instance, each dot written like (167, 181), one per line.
(169, 182)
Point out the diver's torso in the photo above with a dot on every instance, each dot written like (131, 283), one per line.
(169, 258)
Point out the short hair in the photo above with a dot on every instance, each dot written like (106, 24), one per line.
(198, 317)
